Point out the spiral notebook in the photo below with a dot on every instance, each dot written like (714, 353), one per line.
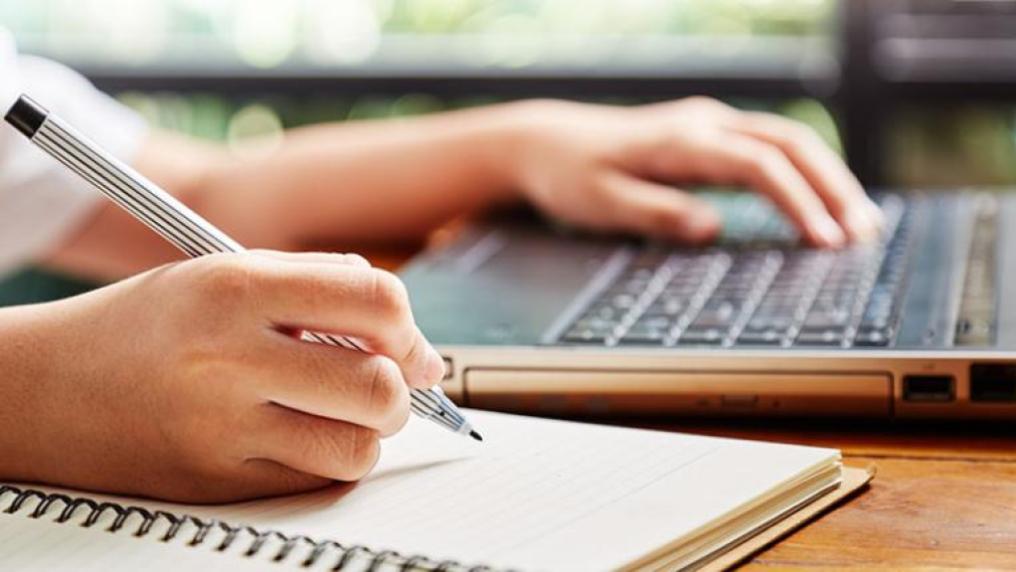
(538, 494)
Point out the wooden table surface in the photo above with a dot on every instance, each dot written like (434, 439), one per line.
(944, 495)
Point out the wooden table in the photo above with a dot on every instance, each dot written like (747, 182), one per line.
(944, 495)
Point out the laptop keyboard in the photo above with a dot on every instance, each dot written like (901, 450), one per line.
(754, 290)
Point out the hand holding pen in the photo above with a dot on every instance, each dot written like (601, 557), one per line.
(177, 223)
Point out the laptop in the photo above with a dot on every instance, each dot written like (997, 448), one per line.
(538, 319)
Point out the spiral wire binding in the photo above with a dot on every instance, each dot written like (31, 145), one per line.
(320, 550)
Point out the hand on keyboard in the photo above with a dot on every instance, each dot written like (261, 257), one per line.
(611, 168)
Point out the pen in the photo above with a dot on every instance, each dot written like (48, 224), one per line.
(178, 224)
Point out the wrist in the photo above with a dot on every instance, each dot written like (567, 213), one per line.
(502, 144)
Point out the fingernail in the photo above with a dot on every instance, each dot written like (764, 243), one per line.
(701, 228)
(828, 232)
(876, 214)
(435, 366)
(860, 225)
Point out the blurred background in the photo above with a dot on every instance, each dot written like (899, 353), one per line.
(915, 93)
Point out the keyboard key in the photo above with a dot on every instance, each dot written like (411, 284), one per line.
(659, 322)
(718, 314)
(770, 337)
(606, 312)
(623, 301)
(709, 336)
(823, 338)
(820, 320)
(594, 323)
(643, 335)
(585, 336)
(667, 306)
(774, 322)
(872, 338)
(875, 322)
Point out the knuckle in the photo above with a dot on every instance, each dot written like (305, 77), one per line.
(363, 453)
(765, 162)
(701, 101)
(664, 221)
(415, 350)
(341, 451)
(600, 195)
(354, 260)
(388, 295)
(705, 104)
(799, 137)
(387, 394)
(399, 418)
(603, 198)
(228, 277)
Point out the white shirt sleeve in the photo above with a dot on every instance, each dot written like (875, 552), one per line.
(41, 201)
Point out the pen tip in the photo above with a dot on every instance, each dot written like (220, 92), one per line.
(475, 435)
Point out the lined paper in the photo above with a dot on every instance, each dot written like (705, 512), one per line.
(536, 494)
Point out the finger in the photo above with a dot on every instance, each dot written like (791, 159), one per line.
(335, 383)
(700, 107)
(364, 303)
(644, 207)
(822, 168)
(349, 258)
(316, 445)
(323, 257)
(733, 158)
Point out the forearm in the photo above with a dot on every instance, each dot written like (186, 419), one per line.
(351, 183)
(361, 182)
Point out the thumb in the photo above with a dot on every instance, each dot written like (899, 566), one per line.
(322, 257)
(657, 210)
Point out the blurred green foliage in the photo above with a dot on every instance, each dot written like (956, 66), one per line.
(966, 144)
(272, 33)
(190, 18)
(721, 17)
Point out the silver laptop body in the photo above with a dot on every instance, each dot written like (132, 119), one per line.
(539, 320)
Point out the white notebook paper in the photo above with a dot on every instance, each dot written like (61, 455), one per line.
(535, 495)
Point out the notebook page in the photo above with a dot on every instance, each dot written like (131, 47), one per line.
(536, 493)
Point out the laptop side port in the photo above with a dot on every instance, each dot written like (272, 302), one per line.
(929, 388)
(993, 382)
